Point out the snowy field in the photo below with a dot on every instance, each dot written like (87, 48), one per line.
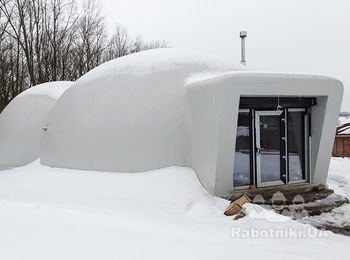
(48, 213)
(339, 181)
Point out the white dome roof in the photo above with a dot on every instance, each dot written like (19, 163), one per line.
(128, 114)
(21, 122)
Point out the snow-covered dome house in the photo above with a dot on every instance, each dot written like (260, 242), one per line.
(168, 107)
(22, 120)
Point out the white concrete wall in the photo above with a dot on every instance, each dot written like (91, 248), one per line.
(139, 127)
(20, 130)
(173, 107)
(128, 115)
(227, 90)
(22, 120)
(204, 126)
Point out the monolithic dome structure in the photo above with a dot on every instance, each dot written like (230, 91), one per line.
(22, 120)
(171, 107)
(129, 114)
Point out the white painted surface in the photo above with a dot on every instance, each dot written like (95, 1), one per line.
(226, 91)
(52, 89)
(128, 114)
(22, 120)
(170, 107)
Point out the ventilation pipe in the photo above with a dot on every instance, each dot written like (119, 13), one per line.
(243, 35)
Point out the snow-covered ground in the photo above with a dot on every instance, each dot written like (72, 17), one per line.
(339, 181)
(48, 213)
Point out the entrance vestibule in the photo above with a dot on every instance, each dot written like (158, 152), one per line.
(272, 141)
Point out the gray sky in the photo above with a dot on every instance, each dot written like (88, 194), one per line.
(301, 36)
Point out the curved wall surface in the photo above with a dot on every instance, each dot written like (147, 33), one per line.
(129, 114)
(22, 120)
(169, 107)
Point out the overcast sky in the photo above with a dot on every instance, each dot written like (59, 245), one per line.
(302, 36)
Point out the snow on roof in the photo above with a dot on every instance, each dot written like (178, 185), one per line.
(344, 120)
(203, 76)
(52, 89)
(161, 60)
(22, 120)
(128, 114)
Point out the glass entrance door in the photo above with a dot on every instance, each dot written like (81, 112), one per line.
(270, 148)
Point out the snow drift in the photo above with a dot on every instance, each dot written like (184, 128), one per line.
(22, 120)
(48, 213)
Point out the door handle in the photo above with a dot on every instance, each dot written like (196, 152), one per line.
(259, 150)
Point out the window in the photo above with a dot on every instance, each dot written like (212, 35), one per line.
(296, 145)
(242, 172)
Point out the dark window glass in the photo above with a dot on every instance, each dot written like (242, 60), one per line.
(242, 153)
(270, 148)
(296, 145)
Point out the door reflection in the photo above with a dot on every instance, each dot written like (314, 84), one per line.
(270, 148)
(296, 145)
(242, 152)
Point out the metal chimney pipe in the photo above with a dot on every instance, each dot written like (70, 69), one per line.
(243, 35)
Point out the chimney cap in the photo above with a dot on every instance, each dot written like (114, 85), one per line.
(243, 34)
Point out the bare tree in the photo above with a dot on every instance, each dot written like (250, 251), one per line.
(60, 19)
(3, 21)
(91, 37)
(20, 27)
(121, 44)
(155, 45)
(48, 40)
(12, 70)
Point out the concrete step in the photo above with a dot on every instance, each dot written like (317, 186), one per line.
(286, 195)
(296, 201)
(297, 211)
